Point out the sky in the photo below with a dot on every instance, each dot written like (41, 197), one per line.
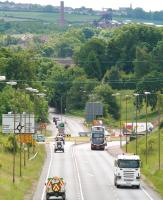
(147, 5)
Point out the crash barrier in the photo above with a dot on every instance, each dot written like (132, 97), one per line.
(78, 139)
(84, 134)
(67, 135)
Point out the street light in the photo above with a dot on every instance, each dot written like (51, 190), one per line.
(159, 136)
(146, 138)
(2, 78)
(137, 96)
(12, 83)
(120, 125)
(126, 97)
(32, 90)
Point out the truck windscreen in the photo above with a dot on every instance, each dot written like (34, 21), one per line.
(128, 163)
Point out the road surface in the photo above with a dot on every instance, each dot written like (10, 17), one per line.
(88, 174)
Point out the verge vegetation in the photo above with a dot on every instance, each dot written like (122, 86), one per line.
(30, 173)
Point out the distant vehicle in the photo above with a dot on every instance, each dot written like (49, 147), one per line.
(55, 187)
(127, 171)
(84, 134)
(60, 138)
(141, 128)
(98, 138)
(55, 120)
(59, 146)
(40, 138)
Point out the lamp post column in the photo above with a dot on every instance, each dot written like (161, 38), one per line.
(126, 122)
(146, 135)
(12, 83)
(136, 120)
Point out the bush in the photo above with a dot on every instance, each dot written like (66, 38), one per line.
(161, 125)
(9, 145)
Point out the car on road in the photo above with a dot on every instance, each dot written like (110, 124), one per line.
(40, 138)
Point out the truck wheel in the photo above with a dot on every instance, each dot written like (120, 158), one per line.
(115, 182)
(47, 197)
(64, 197)
(138, 186)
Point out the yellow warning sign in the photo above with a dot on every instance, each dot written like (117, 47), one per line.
(25, 138)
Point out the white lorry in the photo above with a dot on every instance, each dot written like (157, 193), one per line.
(127, 171)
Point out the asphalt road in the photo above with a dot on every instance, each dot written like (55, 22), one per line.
(88, 174)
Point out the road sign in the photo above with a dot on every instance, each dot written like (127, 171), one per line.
(43, 126)
(22, 123)
(25, 138)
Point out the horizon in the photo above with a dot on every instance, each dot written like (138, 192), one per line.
(114, 4)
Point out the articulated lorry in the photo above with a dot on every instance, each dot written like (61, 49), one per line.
(127, 171)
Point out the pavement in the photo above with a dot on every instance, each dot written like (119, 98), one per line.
(114, 150)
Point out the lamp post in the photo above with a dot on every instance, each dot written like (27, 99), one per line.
(136, 117)
(61, 108)
(120, 122)
(41, 95)
(126, 97)
(159, 138)
(12, 83)
(32, 90)
(146, 135)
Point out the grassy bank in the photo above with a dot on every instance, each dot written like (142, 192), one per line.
(151, 169)
(30, 174)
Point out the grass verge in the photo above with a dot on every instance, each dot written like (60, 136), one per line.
(151, 169)
(30, 174)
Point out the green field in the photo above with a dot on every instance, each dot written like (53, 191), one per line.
(30, 174)
(44, 17)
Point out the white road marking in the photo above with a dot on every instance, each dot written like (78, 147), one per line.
(147, 194)
(89, 174)
(43, 194)
(81, 192)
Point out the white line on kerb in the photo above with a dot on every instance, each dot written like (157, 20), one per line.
(147, 194)
(81, 192)
(43, 194)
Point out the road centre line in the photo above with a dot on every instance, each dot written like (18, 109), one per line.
(43, 194)
(79, 180)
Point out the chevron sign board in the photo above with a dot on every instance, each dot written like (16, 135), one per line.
(18, 123)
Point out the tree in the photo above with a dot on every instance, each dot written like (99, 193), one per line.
(59, 82)
(142, 63)
(152, 83)
(157, 56)
(79, 92)
(104, 93)
(113, 78)
(91, 58)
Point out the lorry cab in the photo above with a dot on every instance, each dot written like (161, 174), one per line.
(59, 146)
(127, 171)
